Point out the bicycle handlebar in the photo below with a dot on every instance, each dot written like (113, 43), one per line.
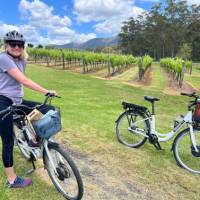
(190, 94)
(193, 102)
(14, 108)
(49, 95)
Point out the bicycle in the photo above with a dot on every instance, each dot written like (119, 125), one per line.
(61, 168)
(137, 124)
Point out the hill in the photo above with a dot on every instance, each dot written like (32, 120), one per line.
(90, 44)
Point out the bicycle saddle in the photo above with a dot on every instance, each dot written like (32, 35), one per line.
(151, 99)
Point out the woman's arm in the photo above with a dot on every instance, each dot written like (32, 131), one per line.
(21, 78)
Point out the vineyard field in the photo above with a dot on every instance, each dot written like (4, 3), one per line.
(90, 105)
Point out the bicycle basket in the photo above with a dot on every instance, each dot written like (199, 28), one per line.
(48, 125)
(196, 115)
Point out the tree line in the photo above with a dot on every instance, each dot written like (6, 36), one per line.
(169, 29)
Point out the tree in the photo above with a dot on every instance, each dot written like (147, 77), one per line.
(185, 51)
(193, 31)
(39, 46)
(30, 45)
(163, 31)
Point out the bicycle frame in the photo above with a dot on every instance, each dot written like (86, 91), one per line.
(163, 137)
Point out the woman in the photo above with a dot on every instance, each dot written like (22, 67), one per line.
(12, 67)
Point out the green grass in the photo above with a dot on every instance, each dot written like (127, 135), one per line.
(89, 108)
(194, 77)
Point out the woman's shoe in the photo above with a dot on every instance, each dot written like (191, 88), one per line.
(19, 183)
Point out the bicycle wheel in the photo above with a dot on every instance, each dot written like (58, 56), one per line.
(184, 153)
(66, 179)
(129, 122)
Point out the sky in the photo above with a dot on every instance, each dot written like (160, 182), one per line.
(65, 21)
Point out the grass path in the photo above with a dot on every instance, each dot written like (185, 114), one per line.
(194, 78)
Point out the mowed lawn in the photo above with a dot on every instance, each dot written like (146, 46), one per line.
(89, 108)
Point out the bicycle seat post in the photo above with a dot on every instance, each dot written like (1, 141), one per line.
(152, 100)
(153, 108)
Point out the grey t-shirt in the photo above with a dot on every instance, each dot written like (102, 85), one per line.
(9, 87)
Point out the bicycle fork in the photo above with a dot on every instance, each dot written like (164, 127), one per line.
(46, 148)
(188, 118)
(192, 137)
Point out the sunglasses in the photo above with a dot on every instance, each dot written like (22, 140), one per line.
(14, 44)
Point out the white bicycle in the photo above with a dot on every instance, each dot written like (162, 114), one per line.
(61, 168)
(137, 124)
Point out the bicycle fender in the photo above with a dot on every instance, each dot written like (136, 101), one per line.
(121, 115)
(50, 144)
(53, 144)
(130, 110)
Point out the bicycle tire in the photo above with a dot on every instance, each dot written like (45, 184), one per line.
(69, 165)
(127, 137)
(182, 150)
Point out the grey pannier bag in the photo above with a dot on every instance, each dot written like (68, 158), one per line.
(48, 125)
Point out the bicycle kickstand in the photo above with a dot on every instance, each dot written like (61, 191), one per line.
(157, 146)
(30, 171)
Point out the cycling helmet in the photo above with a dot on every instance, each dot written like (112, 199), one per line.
(14, 36)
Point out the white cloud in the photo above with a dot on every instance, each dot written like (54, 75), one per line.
(40, 17)
(197, 2)
(83, 37)
(113, 24)
(43, 25)
(108, 13)
(151, 1)
(97, 10)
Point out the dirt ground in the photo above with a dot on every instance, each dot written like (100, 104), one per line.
(173, 87)
(104, 181)
(104, 178)
(146, 80)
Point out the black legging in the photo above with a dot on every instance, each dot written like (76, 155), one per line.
(6, 128)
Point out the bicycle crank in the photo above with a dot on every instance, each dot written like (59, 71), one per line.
(153, 139)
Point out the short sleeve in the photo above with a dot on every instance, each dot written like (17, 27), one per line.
(6, 63)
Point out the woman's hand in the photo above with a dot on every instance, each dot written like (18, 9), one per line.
(52, 93)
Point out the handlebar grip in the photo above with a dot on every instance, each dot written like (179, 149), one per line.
(189, 95)
(184, 94)
(49, 94)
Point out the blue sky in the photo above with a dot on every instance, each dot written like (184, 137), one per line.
(64, 21)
